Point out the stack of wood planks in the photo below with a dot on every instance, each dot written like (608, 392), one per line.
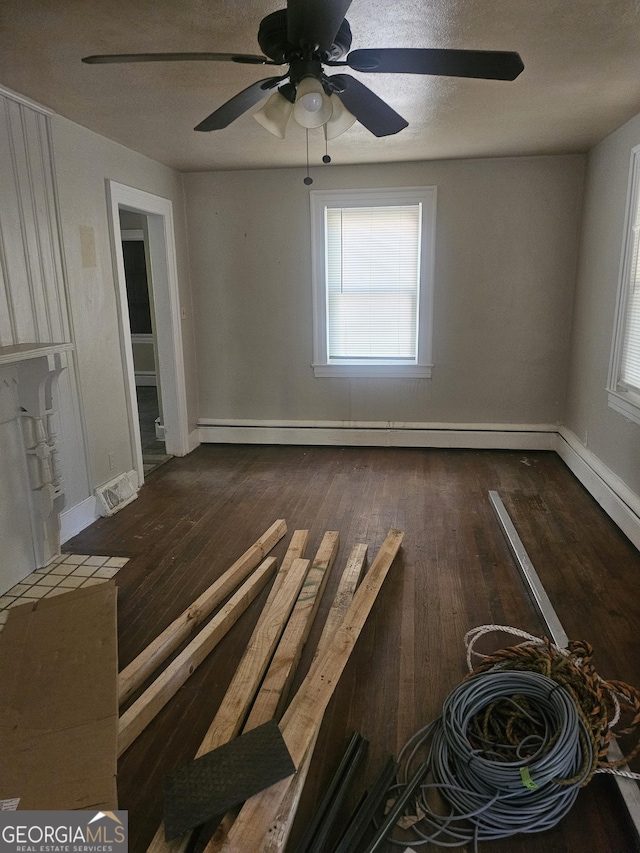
(259, 690)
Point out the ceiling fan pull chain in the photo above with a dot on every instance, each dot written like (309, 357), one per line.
(326, 158)
(308, 180)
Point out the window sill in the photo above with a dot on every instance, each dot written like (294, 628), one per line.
(625, 403)
(373, 371)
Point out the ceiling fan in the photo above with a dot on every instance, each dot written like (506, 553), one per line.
(311, 34)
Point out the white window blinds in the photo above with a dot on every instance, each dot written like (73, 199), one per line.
(630, 359)
(373, 277)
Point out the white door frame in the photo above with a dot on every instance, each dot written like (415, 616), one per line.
(164, 276)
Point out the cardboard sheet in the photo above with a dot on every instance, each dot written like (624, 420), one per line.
(59, 701)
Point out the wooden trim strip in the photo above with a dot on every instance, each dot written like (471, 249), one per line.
(156, 696)
(277, 682)
(233, 711)
(137, 672)
(280, 829)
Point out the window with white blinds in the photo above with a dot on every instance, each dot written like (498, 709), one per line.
(624, 376)
(630, 361)
(373, 279)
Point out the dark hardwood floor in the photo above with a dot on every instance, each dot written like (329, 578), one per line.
(196, 515)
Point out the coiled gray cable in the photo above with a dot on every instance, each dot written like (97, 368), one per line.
(497, 785)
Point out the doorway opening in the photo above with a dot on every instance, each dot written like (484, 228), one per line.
(149, 306)
(142, 322)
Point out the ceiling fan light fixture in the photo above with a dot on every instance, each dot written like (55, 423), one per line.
(340, 121)
(313, 107)
(275, 114)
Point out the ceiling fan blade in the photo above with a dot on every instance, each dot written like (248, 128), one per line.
(315, 22)
(370, 110)
(245, 58)
(239, 104)
(487, 64)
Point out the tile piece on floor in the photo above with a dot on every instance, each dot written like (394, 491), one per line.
(75, 558)
(72, 581)
(63, 569)
(36, 592)
(19, 589)
(49, 580)
(116, 562)
(95, 561)
(57, 590)
(83, 571)
(105, 572)
(63, 574)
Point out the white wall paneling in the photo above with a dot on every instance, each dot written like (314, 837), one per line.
(35, 345)
(32, 299)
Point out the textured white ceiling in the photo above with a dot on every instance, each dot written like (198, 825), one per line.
(581, 77)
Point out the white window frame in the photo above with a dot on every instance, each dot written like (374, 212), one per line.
(320, 200)
(625, 400)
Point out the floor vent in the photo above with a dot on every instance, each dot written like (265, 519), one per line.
(115, 495)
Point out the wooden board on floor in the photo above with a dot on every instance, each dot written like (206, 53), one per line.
(137, 672)
(304, 715)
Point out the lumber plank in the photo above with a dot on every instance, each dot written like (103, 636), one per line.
(295, 550)
(159, 692)
(236, 702)
(277, 681)
(305, 712)
(246, 680)
(279, 831)
(137, 672)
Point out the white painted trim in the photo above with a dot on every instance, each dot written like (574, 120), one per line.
(21, 99)
(620, 503)
(622, 400)
(379, 434)
(432, 425)
(24, 352)
(376, 371)
(625, 404)
(164, 273)
(146, 377)
(194, 440)
(76, 518)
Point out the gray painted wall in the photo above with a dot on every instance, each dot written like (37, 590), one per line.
(506, 247)
(608, 434)
(84, 161)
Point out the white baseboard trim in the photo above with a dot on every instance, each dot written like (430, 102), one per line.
(76, 518)
(193, 440)
(380, 434)
(146, 377)
(614, 496)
